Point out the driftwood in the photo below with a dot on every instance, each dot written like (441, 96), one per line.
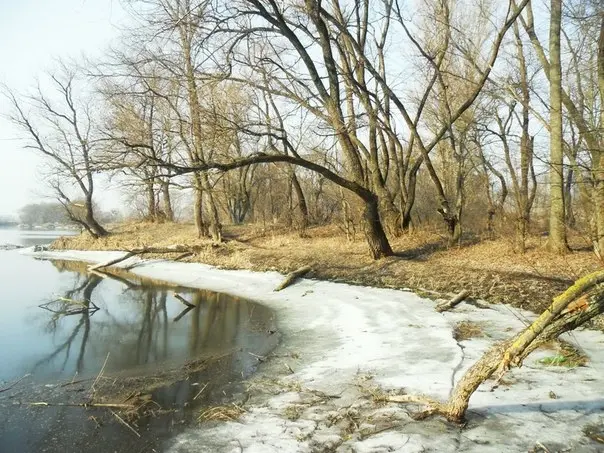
(444, 306)
(292, 277)
(183, 300)
(577, 305)
(112, 262)
(184, 251)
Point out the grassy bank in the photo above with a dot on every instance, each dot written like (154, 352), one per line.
(489, 269)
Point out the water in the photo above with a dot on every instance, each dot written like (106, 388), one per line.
(140, 334)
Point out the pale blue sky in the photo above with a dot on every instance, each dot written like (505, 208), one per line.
(32, 34)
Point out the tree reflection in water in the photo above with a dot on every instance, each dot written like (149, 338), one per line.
(147, 335)
(142, 326)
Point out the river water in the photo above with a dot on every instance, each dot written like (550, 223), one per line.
(61, 326)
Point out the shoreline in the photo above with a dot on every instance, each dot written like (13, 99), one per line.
(341, 344)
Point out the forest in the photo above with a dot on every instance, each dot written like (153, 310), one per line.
(381, 117)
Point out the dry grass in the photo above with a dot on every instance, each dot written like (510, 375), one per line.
(490, 270)
(228, 413)
(464, 330)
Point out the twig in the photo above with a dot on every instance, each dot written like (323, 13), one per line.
(260, 358)
(201, 391)
(123, 422)
(106, 405)
(100, 373)
(14, 383)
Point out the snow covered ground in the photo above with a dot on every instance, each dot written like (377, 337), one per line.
(342, 343)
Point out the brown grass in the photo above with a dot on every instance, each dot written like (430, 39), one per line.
(490, 269)
(464, 330)
(226, 413)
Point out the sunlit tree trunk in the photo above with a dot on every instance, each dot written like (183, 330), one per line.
(557, 227)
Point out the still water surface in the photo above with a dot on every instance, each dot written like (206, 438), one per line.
(139, 329)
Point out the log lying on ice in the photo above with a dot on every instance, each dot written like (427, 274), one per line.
(131, 253)
(578, 304)
(463, 295)
(292, 277)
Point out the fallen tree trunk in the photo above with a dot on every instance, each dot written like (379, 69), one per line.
(184, 251)
(459, 298)
(292, 277)
(573, 308)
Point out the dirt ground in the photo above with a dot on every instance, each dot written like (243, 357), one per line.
(490, 269)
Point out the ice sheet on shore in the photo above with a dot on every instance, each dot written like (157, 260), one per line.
(397, 340)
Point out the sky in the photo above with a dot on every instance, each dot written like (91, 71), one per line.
(33, 33)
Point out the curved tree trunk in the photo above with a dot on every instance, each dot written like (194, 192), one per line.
(379, 247)
(92, 223)
(302, 205)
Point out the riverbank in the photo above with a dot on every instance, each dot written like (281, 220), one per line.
(344, 346)
(490, 269)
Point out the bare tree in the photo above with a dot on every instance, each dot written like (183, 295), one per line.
(57, 124)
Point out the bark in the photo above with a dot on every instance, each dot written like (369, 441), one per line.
(557, 228)
(200, 225)
(302, 205)
(151, 204)
(90, 221)
(215, 227)
(167, 199)
(379, 247)
(599, 177)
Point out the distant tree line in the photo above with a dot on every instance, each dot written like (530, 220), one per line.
(377, 115)
(55, 213)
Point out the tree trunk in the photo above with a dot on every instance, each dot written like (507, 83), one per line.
(568, 197)
(151, 204)
(302, 206)
(379, 247)
(202, 229)
(599, 177)
(168, 211)
(215, 229)
(91, 222)
(557, 227)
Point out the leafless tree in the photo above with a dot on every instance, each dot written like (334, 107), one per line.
(57, 123)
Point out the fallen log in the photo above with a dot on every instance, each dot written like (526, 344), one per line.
(292, 277)
(459, 298)
(577, 305)
(184, 251)
(112, 262)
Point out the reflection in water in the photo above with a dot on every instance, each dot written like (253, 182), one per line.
(140, 326)
(141, 330)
